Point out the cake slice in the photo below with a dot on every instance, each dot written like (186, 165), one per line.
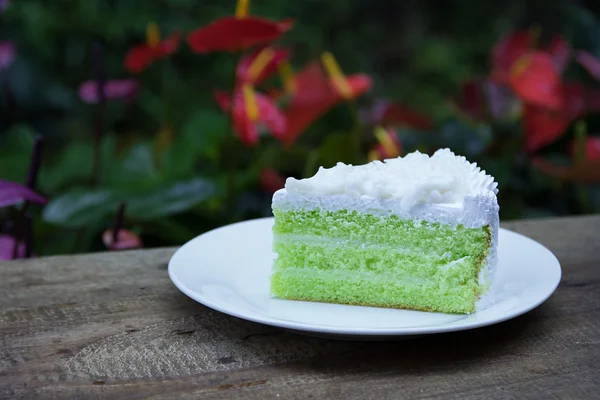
(416, 232)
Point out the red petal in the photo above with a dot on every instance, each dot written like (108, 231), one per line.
(508, 50)
(271, 180)
(125, 240)
(279, 56)
(589, 62)
(592, 149)
(234, 34)
(12, 193)
(538, 82)
(313, 98)
(315, 95)
(247, 130)
(359, 84)
(271, 116)
(138, 58)
(560, 51)
(7, 245)
(393, 114)
(542, 127)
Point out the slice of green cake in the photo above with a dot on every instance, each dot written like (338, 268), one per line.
(416, 232)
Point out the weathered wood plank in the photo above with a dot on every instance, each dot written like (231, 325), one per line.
(113, 326)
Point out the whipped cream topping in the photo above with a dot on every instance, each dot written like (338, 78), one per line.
(444, 178)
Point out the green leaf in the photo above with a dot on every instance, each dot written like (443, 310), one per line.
(337, 147)
(200, 137)
(15, 152)
(170, 199)
(73, 164)
(80, 207)
(467, 140)
(134, 169)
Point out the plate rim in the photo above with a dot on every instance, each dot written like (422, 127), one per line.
(304, 327)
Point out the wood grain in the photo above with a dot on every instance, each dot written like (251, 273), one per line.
(112, 325)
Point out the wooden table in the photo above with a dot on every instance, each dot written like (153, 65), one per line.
(112, 325)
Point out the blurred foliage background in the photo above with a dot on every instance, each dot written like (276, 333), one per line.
(164, 152)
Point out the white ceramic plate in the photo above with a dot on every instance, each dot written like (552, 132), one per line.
(228, 269)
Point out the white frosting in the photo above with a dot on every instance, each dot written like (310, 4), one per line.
(443, 178)
(443, 188)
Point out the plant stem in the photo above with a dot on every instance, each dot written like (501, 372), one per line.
(356, 129)
(100, 78)
(118, 223)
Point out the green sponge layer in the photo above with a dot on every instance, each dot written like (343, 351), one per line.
(353, 258)
(378, 292)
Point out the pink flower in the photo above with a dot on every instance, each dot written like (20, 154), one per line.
(125, 240)
(116, 89)
(7, 54)
(7, 245)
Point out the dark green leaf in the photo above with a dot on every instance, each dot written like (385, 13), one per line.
(15, 152)
(170, 199)
(337, 147)
(81, 207)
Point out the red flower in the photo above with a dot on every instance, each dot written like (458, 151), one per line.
(589, 62)
(247, 129)
(315, 94)
(125, 240)
(543, 126)
(141, 56)
(508, 50)
(117, 89)
(256, 67)
(235, 34)
(271, 180)
(535, 79)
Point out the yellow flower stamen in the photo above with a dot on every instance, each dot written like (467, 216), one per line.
(241, 9)
(520, 66)
(337, 76)
(259, 63)
(250, 102)
(390, 147)
(153, 35)
(373, 155)
(287, 77)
